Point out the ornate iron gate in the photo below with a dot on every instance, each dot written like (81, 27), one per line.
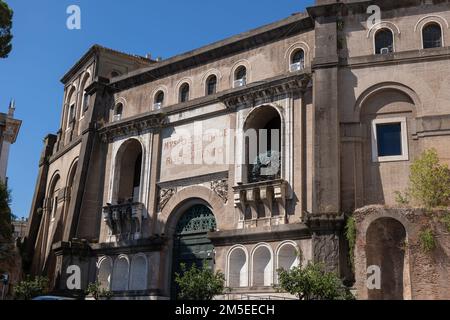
(191, 244)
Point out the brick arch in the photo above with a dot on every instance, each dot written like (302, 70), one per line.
(186, 198)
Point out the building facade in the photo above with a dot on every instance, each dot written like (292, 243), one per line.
(159, 163)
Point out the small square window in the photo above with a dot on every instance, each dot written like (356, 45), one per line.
(390, 140)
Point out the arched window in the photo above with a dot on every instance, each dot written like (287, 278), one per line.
(118, 111)
(159, 100)
(120, 274)
(263, 145)
(240, 77)
(238, 269)
(298, 60)
(384, 41)
(128, 172)
(432, 36)
(86, 96)
(211, 85)
(262, 267)
(138, 274)
(71, 107)
(184, 93)
(104, 274)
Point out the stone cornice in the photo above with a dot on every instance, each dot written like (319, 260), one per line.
(256, 235)
(267, 89)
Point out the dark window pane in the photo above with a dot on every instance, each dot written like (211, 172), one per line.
(389, 137)
(212, 85)
(384, 39)
(432, 36)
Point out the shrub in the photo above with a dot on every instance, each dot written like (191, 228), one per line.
(312, 283)
(95, 290)
(427, 240)
(430, 180)
(31, 288)
(200, 284)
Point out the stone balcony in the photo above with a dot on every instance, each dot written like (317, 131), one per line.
(124, 221)
(261, 204)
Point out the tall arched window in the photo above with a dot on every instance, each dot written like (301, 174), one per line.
(184, 92)
(71, 105)
(118, 111)
(238, 269)
(263, 143)
(120, 274)
(128, 172)
(86, 96)
(159, 100)
(384, 41)
(298, 60)
(432, 36)
(240, 77)
(262, 267)
(211, 85)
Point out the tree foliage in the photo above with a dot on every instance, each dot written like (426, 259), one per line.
(430, 180)
(6, 15)
(312, 282)
(31, 288)
(199, 284)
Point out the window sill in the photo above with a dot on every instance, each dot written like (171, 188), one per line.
(391, 159)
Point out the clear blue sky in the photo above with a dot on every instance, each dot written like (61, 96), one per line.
(44, 49)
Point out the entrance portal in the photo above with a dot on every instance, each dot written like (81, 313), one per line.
(191, 244)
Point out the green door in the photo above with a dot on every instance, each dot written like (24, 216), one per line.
(191, 244)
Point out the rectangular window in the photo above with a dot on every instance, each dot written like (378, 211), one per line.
(390, 140)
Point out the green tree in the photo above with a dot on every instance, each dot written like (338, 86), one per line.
(6, 15)
(199, 284)
(430, 180)
(312, 282)
(31, 288)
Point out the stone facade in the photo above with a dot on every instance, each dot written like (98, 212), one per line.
(113, 197)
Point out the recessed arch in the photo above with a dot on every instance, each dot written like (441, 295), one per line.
(182, 200)
(288, 255)
(237, 267)
(104, 272)
(262, 266)
(139, 273)
(128, 171)
(381, 25)
(263, 123)
(378, 88)
(431, 18)
(121, 272)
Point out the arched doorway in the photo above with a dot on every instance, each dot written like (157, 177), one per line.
(386, 249)
(191, 244)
